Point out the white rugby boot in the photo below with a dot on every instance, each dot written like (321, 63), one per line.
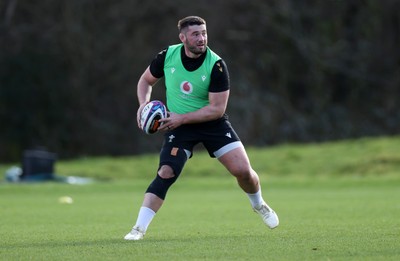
(268, 215)
(135, 234)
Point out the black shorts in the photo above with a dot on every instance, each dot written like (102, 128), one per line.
(218, 137)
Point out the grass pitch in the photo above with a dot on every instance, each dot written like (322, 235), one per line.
(336, 201)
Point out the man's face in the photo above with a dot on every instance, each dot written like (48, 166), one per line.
(195, 39)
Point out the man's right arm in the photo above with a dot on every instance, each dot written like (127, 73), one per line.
(149, 77)
(145, 86)
(144, 89)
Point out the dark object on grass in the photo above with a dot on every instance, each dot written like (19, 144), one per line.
(38, 165)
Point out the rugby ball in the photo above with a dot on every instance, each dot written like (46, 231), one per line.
(150, 116)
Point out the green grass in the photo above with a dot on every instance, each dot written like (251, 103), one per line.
(336, 201)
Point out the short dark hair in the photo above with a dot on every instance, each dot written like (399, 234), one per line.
(190, 20)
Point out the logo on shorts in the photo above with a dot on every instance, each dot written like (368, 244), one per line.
(186, 87)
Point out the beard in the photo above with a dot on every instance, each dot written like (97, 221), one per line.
(197, 50)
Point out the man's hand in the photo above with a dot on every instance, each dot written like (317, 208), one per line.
(138, 114)
(173, 121)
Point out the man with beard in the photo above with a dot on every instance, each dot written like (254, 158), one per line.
(197, 91)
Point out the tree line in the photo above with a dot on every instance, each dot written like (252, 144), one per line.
(301, 71)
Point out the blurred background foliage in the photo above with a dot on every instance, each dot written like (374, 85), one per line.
(301, 71)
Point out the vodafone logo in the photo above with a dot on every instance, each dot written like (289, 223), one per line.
(186, 87)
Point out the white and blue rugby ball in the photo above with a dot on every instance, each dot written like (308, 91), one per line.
(150, 116)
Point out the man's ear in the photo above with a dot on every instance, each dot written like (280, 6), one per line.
(182, 37)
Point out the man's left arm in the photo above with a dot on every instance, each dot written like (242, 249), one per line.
(218, 99)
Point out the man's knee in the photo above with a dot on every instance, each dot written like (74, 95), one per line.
(163, 181)
(166, 172)
(243, 172)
